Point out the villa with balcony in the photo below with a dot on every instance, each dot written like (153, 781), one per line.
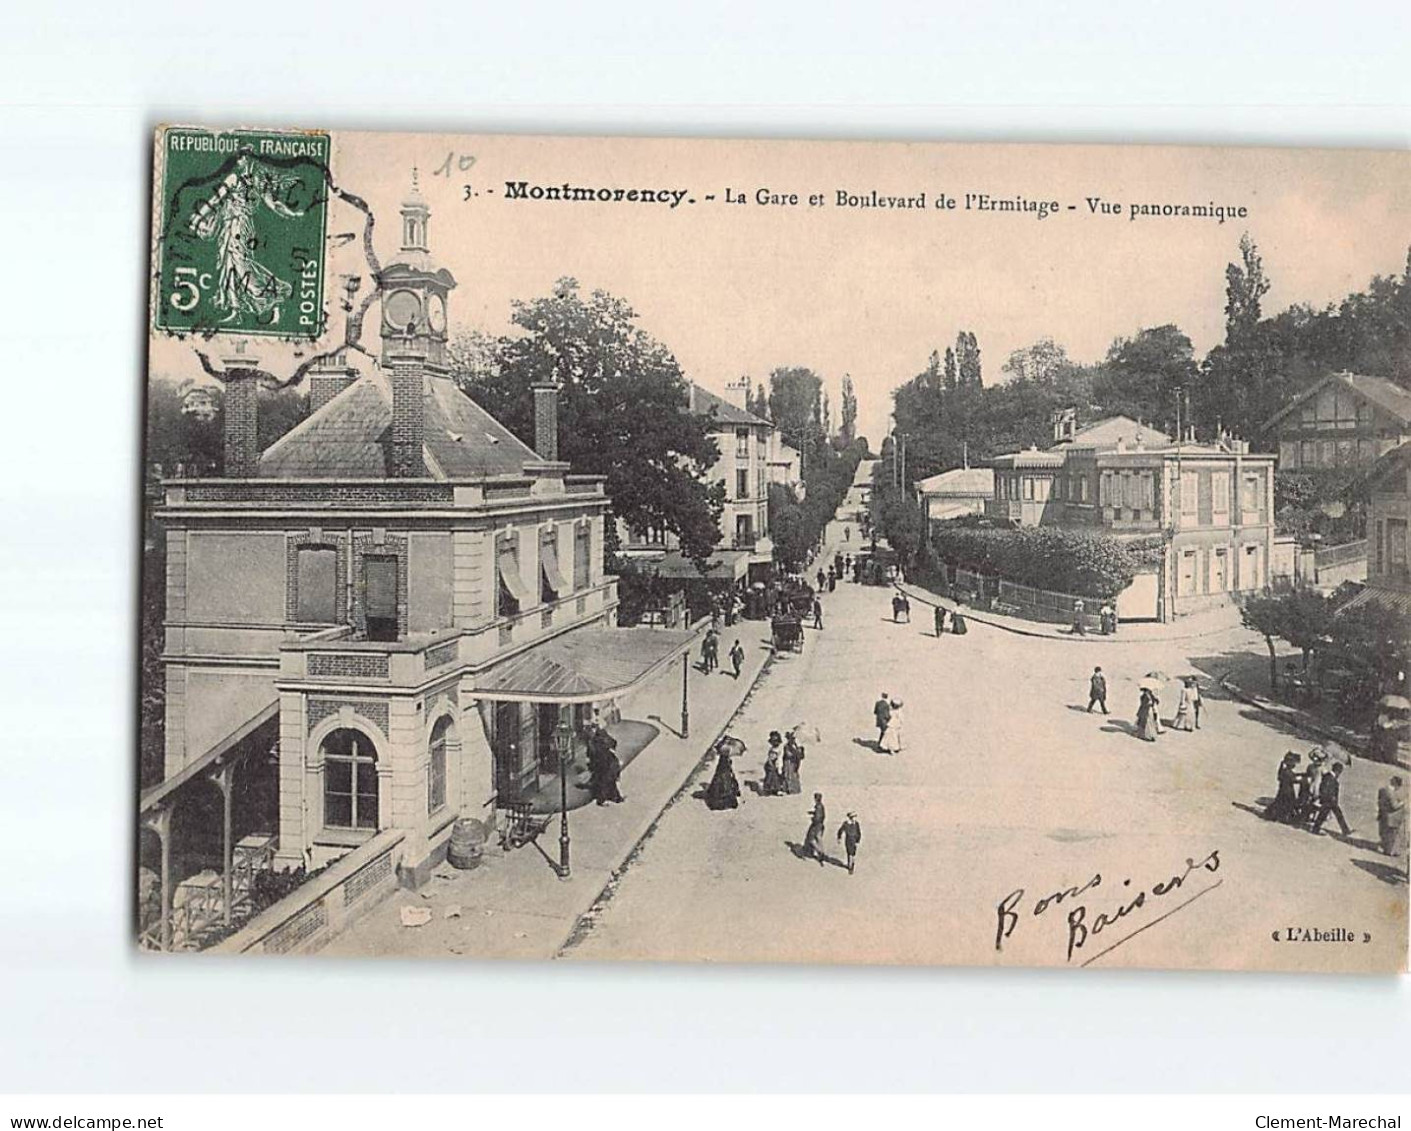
(1212, 502)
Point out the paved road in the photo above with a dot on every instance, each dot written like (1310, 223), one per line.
(1006, 783)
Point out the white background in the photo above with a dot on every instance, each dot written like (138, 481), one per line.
(81, 91)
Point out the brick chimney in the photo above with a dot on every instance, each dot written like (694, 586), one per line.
(546, 421)
(241, 430)
(408, 412)
(328, 379)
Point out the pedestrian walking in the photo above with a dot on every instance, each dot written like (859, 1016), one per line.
(1079, 628)
(793, 764)
(817, 614)
(1148, 726)
(832, 581)
(817, 825)
(604, 768)
(1391, 817)
(891, 739)
(957, 624)
(940, 620)
(1284, 807)
(1306, 810)
(737, 657)
(1329, 790)
(1197, 700)
(850, 833)
(723, 792)
(822, 580)
(882, 713)
(1185, 709)
(1097, 691)
(1104, 617)
(773, 779)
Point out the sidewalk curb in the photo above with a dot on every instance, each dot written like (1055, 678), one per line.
(582, 923)
(926, 597)
(1290, 715)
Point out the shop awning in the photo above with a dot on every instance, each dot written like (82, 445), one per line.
(549, 562)
(724, 565)
(586, 666)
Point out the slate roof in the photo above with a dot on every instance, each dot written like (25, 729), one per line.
(1386, 395)
(705, 403)
(1105, 433)
(350, 437)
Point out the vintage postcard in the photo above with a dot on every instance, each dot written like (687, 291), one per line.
(768, 551)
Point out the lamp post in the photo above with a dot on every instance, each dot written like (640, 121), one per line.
(685, 700)
(563, 739)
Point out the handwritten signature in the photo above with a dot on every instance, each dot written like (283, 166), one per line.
(1080, 928)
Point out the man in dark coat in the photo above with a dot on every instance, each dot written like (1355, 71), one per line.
(737, 657)
(817, 613)
(850, 833)
(1329, 791)
(940, 621)
(1097, 691)
(882, 712)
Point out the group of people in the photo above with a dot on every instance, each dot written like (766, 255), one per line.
(783, 763)
(943, 616)
(1149, 725)
(886, 712)
(1106, 618)
(710, 653)
(1307, 795)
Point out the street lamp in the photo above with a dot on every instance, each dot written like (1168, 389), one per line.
(563, 739)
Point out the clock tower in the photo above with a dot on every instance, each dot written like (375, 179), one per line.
(414, 291)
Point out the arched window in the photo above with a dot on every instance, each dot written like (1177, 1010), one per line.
(436, 770)
(349, 780)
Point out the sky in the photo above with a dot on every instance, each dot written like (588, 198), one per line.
(742, 288)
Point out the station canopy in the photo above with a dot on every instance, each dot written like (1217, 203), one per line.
(586, 666)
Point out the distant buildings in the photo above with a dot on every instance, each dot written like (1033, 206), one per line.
(1213, 502)
(1346, 420)
(751, 457)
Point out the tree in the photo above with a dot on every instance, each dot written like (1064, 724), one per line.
(1245, 287)
(760, 405)
(847, 429)
(950, 378)
(622, 409)
(794, 406)
(1143, 374)
(967, 360)
(1042, 363)
(1265, 615)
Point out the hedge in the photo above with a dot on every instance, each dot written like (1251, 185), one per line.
(1086, 564)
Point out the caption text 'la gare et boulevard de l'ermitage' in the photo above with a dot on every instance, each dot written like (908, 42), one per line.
(982, 203)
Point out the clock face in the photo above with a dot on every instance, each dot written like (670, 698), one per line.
(436, 313)
(401, 309)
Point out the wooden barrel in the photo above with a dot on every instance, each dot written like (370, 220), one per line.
(467, 845)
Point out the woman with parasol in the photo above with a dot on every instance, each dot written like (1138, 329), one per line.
(723, 792)
(1148, 724)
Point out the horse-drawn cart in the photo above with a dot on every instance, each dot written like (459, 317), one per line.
(788, 632)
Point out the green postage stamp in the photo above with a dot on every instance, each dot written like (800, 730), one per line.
(241, 222)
